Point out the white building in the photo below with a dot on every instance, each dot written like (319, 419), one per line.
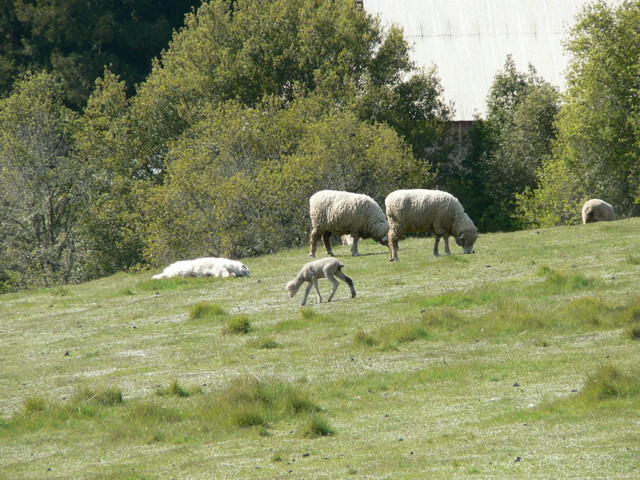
(469, 40)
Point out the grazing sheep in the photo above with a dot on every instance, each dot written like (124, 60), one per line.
(344, 213)
(429, 210)
(596, 210)
(205, 267)
(328, 268)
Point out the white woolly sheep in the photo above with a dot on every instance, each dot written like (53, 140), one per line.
(205, 267)
(428, 210)
(596, 210)
(342, 213)
(328, 268)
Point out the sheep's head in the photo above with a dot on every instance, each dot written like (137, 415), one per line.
(292, 287)
(466, 240)
(384, 241)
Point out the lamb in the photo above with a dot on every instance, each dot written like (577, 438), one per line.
(596, 210)
(342, 213)
(428, 210)
(205, 267)
(328, 268)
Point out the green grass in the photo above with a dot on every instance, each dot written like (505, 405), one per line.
(450, 367)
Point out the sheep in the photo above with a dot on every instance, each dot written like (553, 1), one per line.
(428, 210)
(328, 268)
(596, 210)
(205, 267)
(342, 213)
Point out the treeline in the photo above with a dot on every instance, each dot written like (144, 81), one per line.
(253, 106)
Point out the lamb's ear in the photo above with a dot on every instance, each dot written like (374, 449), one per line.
(461, 236)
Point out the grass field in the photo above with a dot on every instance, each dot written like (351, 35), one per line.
(521, 361)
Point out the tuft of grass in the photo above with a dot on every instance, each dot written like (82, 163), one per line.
(362, 338)
(318, 426)
(608, 382)
(633, 259)
(561, 282)
(239, 325)
(389, 336)
(205, 311)
(176, 390)
(35, 404)
(105, 397)
(266, 344)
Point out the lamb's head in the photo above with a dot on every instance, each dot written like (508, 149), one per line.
(293, 286)
(466, 240)
(243, 272)
(385, 241)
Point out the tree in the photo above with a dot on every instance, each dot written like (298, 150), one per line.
(77, 38)
(236, 98)
(239, 183)
(511, 144)
(598, 141)
(42, 185)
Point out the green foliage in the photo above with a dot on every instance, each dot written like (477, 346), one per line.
(596, 153)
(510, 145)
(318, 426)
(205, 310)
(43, 186)
(76, 39)
(238, 324)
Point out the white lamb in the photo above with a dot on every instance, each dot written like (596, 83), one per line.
(205, 267)
(596, 210)
(343, 213)
(328, 268)
(428, 210)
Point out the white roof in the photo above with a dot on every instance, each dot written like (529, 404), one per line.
(469, 40)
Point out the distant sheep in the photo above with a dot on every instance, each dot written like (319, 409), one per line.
(343, 213)
(205, 267)
(428, 210)
(596, 210)
(328, 268)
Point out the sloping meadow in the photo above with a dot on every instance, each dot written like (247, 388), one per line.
(518, 361)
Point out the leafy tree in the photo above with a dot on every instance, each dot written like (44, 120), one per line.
(42, 185)
(239, 183)
(77, 38)
(237, 97)
(510, 145)
(599, 125)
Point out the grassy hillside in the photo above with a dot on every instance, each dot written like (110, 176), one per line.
(520, 361)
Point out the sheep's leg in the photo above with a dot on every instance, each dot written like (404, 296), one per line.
(329, 276)
(446, 244)
(435, 247)
(306, 294)
(314, 280)
(340, 274)
(393, 245)
(224, 273)
(313, 241)
(354, 245)
(326, 238)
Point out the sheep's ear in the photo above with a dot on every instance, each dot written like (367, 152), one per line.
(461, 236)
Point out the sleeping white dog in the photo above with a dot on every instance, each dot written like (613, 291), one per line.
(205, 267)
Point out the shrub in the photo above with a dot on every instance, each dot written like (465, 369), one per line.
(318, 426)
(238, 324)
(205, 310)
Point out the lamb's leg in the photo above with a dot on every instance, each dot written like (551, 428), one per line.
(314, 280)
(340, 274)
(354, 245)
(334, 283)
(313, 241)
(224, 273)
(306, 294)
(326, 238)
